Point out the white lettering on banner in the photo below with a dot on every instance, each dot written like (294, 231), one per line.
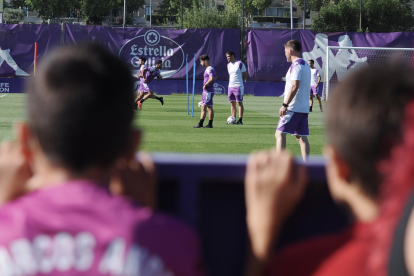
(64, 252)
(4, 87)
(149, 45)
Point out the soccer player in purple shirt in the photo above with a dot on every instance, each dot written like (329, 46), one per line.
(208, 93)
(295, 108)
(148, 74)
(61, 184)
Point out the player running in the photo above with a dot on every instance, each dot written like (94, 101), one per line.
(238, 75)
(208, 93)
(148, 74)
(315, 80)
(295, 108)
(140, 94)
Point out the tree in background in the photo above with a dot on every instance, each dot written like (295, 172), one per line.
(13, 16)
(90, 9)
(173, 7)
(332, 17)
(209, 17)
(387, 16)
(250, 6)
(377, 16)
(314, 5)
(50, 9)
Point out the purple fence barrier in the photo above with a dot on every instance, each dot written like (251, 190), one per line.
(207, 191)
(168, 45)
(17, 46)
(267, 62)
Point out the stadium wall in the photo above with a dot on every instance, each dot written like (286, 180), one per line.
(266, 62)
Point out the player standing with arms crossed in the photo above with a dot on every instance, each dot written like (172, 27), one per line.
(315, 80)
(148, 74)
(295, 109)
(238, 75)
(208, 93)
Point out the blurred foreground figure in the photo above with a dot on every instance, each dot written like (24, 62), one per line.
(59, 214)
(364, 124)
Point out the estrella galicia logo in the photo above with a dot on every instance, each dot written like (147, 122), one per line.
(152, 38)
(219, 89)
(153, 47)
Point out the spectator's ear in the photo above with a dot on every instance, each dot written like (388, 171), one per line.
(337, 172)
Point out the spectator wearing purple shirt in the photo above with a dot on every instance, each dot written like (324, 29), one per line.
(208, 93)
(63, 184)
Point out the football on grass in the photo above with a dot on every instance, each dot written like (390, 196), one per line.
(231, 120)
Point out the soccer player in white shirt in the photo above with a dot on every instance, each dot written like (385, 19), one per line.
(238, 75)
(315, 80)
(295, 109)
(140, 94)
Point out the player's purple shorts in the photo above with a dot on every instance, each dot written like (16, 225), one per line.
(207, 98)
(143, 87)
(294, 123)
(236, 94)
(314, 90)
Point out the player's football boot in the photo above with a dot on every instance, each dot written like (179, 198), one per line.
(162, 100)
(239, 123)
(139, 105)
(208, 126)
(198, 126)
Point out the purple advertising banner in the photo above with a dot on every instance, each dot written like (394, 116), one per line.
(170, 46)
(267, 62)
(17, 46)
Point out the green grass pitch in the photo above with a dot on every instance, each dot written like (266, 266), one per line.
(168, 128)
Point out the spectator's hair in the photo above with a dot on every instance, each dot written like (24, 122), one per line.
(79, 107)
(143, 59)
(158, 62)
(364, 119)
(204, 57)
(311, 61)
(294, 45)
(231, 53)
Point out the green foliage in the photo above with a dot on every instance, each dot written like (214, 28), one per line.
(91, 10)
(13, 16)
(210, 17)
(343, 16)
(314, 5)
(250, 6)
(161, 19)
(377, 16)
(173, 7)
(18, 3)
(386, 16)
(273, 19)
(51, 9)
